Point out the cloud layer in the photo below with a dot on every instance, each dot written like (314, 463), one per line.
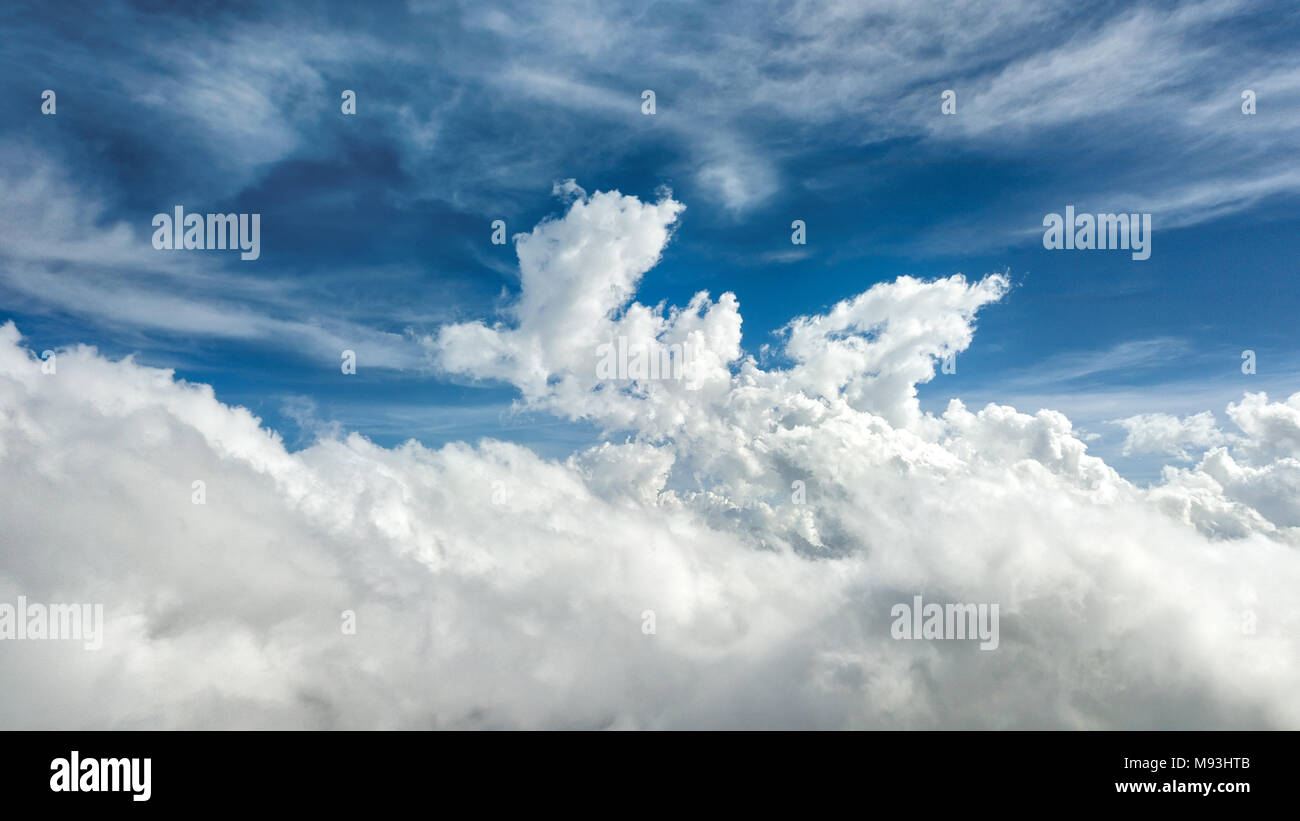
(494, 588)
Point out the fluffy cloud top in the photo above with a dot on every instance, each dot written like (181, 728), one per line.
(494, 588)
(1168, 435)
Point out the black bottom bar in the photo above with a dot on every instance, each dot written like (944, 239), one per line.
(802, 771)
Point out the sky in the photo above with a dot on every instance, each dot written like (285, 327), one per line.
(1098, 428)
(377, 225)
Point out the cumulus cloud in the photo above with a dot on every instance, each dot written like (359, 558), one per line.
(495, 588)
(1168, 435)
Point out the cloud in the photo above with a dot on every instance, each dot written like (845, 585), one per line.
(62, 250)
(1251, 482)
(1168, 435)
(495, 588)
(749, 106)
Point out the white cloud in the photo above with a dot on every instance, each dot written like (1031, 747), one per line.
(1168, 435)
(64, 251)
(494, 588)
(1273, 428)
(739, 92)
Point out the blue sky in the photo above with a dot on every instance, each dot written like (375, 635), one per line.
(375, 227)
